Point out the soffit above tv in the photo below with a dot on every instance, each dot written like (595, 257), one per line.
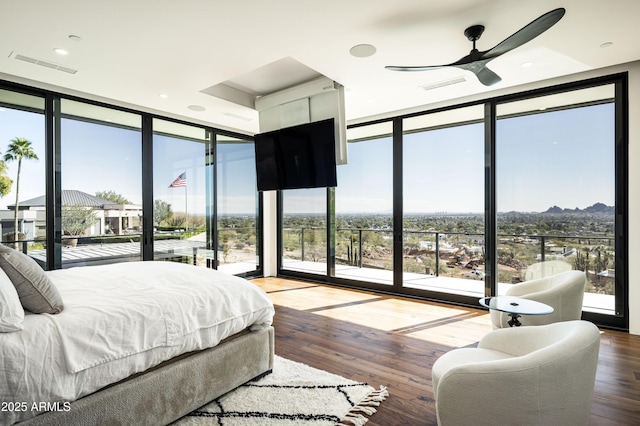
(270, 78)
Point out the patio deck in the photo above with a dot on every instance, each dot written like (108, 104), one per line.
(593, 302)
(94, 254)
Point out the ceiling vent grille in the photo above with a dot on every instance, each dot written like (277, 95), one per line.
(46, 64)
(239, 117)
(445, 83)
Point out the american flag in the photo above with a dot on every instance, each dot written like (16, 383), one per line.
(179, 181)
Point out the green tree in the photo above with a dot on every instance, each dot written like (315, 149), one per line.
(18, 149)
(5, 181)
(112, 196)
(76, 219)
(161, 211)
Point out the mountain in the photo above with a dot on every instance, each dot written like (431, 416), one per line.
(597, 208)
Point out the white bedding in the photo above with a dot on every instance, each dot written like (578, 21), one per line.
(118, 320)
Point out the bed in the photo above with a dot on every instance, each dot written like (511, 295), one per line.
(135, 343)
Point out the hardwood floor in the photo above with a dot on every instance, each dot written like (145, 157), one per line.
(393, 341)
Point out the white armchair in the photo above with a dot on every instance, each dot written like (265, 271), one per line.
(520, 376)
(564, 292)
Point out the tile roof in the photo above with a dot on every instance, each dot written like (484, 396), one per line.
(70, 197)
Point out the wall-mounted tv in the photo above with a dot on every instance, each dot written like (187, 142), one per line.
(302, 156)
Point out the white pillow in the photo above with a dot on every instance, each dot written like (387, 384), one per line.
(11, 311)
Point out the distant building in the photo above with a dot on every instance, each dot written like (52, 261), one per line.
(113, 219)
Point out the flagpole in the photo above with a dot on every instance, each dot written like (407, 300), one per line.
(181, 180)
(186, 211)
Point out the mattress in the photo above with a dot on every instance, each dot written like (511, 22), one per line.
(119, 320)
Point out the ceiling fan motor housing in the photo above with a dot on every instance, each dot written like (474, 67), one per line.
(474, 32)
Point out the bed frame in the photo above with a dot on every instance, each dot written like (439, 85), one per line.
(174, 389)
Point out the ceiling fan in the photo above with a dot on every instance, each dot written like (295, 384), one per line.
(476, 61)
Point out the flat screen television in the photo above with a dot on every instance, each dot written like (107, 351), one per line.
(302, 156)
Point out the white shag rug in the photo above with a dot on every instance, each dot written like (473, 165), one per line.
(293, 394)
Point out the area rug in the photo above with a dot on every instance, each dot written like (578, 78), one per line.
(293, 394)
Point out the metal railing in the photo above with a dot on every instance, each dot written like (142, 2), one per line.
(455, 240)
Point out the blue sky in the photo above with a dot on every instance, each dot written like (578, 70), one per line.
(31, 127)
(563, 158)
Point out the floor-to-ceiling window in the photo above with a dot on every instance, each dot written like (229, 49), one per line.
(443, 201)
(182, 193)
(22, 129)
(101, 162)
(487, 194)
(555, 180)
(80, 194)
(237, 205)
(364, 207)
(590, 167)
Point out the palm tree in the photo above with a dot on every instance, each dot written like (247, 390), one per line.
(18, 149)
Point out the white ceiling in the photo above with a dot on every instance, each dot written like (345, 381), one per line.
(132, 51)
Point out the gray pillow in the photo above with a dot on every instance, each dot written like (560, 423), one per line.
(36, 291)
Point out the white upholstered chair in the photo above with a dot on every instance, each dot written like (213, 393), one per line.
(520, 376)
(564, 292)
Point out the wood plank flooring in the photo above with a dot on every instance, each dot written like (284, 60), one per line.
(393, 341)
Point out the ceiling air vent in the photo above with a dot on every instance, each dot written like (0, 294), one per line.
(444, 83)
(46, 64)
(239, 117)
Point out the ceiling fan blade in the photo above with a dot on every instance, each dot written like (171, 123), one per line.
(526, 34)
(484, 74)
(416, 68)
(488, 77)
(475, 61)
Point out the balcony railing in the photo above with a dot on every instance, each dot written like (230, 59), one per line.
(237, 248)
(458, 254)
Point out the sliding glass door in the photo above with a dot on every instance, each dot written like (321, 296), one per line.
(22, 124)
(101, 156)
(443, 202)
(364, 207)
(303, 240)
(182, 193)
(556, 190)
(237, 205)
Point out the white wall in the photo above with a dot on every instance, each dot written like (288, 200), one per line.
(269, 234)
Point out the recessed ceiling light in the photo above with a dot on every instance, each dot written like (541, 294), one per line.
(362, 50)
(74, 37)
(607, 44)
(196, 108)
(60, 51)
(526, 64)
(164, 95)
